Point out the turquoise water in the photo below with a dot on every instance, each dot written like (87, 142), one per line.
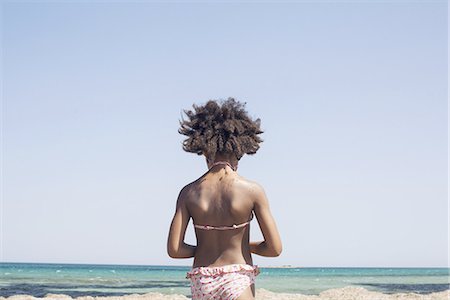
(108, 280)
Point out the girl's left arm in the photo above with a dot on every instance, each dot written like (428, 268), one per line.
(176, 247)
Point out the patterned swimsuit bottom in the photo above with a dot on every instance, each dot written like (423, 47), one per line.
(221, 283)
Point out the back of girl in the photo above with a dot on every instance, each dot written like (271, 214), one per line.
(220, 197)
(221, 204)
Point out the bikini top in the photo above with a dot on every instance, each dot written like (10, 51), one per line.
(234, 226)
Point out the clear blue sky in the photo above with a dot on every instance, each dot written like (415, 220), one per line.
(352, 98)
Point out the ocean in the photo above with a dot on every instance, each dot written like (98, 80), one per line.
(115, 280)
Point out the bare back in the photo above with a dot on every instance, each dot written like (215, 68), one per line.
(220, 198)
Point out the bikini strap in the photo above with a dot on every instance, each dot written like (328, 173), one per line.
(234, 226)
(222, 163)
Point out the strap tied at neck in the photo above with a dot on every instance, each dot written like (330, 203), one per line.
(222, 163)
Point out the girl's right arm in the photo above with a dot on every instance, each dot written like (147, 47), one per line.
(271, 246)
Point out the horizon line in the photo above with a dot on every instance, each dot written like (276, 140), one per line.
(283, 266)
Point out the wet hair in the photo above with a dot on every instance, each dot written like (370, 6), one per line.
(220, 127)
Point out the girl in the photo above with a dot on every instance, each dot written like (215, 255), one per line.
(221, 204)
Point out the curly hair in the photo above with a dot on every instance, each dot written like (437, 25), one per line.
(220, 128)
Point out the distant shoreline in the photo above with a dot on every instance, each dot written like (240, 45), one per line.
(286, 266)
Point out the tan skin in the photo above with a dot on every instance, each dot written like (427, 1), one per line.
(221, 197)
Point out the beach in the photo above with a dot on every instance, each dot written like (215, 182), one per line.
(346, 293)
(108, 282)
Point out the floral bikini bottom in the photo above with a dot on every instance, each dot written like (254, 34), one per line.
(221, 283)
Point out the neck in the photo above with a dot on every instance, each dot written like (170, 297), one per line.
(229, 160)
(224, 162)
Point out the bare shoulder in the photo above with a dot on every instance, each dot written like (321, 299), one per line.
(254, 190)
(186, 192)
